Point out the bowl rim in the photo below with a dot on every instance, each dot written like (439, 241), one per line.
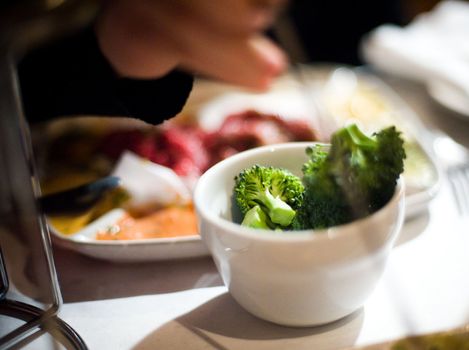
(334, 232)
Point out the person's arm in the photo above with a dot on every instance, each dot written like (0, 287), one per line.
(220, 39)
(132, 62)
(72, 77)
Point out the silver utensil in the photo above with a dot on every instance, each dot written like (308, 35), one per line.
(455, 162)
(78, 199)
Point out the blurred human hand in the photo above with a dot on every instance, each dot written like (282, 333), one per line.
(220, 39)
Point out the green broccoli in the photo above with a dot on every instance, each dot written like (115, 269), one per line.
(323, 203)
(256, 218)
(354, 178)
(276, 191)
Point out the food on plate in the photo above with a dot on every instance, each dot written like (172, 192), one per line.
(178, 147)
(185, 148)
(420, 172)
(151, 199)
(273, 191)
(71, 223)
(135, 223)
(349, 179)
(248, 129)
(171, 221)
(189, 150)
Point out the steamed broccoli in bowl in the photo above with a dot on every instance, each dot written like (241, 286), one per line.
(355, 177)
(268, 196)
(349, 179)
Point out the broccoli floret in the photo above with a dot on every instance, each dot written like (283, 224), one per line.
(354, 178)
(367, 168)
(276, 191)
(323, 205)
(256, 218)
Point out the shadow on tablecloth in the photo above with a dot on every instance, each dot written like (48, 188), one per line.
(83, 278)
(223, 324)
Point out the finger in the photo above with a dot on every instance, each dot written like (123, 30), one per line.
(252, 63)
(231, 57)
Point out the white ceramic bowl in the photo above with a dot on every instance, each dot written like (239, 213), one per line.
(298, 278)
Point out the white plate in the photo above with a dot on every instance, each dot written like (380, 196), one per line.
(128, 251)
(218, 101)
(138, 250)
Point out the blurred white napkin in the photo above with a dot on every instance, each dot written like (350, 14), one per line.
(433, 49)
(150, 183)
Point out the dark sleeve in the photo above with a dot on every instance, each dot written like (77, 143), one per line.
(72, 77)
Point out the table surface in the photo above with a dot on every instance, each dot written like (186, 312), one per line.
(183, 304)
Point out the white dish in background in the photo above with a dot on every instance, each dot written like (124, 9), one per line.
(215, 96)
(449, 97)
(385, 108)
